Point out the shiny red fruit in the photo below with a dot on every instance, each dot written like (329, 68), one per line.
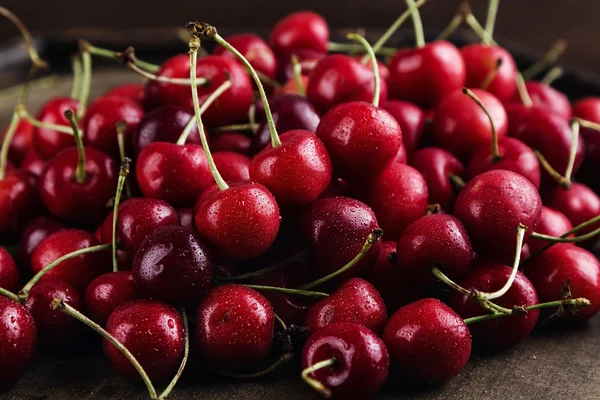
(552, 223)
(132, 91)
(107, 292)
(47, 142)
(19, 202)
(300, 30)
(36, 231)
(21, 141)
(411, 119)
(579, 204)
(9, 275)
(481, 59)
(255, 49)
(233, 167)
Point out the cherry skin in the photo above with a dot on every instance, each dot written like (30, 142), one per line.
(81, 203)
(107, 292)
(420, 249)
(174, 265)
(32, 163)
(427, 342)
(47, 142)
(552, 223)
(9, 275)
(234, 328)
(425, 75)
(158, 94)
(146, 328)
(502, 332)
(492, 205)
(19, 202)
(174, 173)
(21, 141)
(579, 204)
(132, 91)
(515, 155)
(36, 231)
(361, 360)
(461, 126)
(297, 171)
(337, 187)
(411, 119)
(231, 141)
(256, 51)
(101, 118)
(361, 139)
(480, 60)
(18, 342)
(551, 269)
(234, 167)
(356, 301)
(300, 30)
(436, 165)
(546, 97)
(56, 330)
(77, 271)
(588, 108)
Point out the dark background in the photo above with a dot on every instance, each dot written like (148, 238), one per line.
(533, 23)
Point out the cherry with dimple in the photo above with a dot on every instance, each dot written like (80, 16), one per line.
(546, 97)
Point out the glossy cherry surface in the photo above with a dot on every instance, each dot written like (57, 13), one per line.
(411, 119)
(36, 231)
(47, 142)
(21, 141)
(19, 202)
(32, 163)
(234, 167)
(9, 275)
(481, 59)
(300, 30)
(588, 108)
(107, 292)
(231, 141)
(255, 49)
(579, 204)
(307, 58)
(545, 96)
(552, 223)
(157, 94)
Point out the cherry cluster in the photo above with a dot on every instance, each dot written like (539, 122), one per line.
(384, 215)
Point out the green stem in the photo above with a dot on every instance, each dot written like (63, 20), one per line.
(477, 28)
(449, 282)
(8, 138)
(124, 171)
(186, 353)
(588, 124)
(286, 290)
(27, 38)
(457, 181)
(80, 173)
(263, 271)
(374, 65)
(523, 93)
(573, 150)
(315, 384)
(86, 83)
(356, 48)
(23, 113)
(9, 294)
(454, 24)
(418, 25)
(490, 21)
(489, 78)
(164, 79)
(551, 56)
(121, 128)
(575, 239)
(552, 75)
(97, 51)
(495, 153)
(252, 127)
(77, 68)
(42, 83)
(561, 180)
(297, 69)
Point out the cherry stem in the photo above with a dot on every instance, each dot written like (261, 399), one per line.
(186, 353)
(552, 75)
(86, 83)
(267, 80)
(77, 68)
(371, 239)
(452, 26)
(252, 127)
(476, 26)
(194, 44)
(121, 127)
(573, 150)
(315, 384)
(123, 172)
(549, 58)
(9, 294)
(374, 65)
(433, 209)
(356, 48)
(588, 124)
(523, 92)
(457, 181)
(575, 239)
(164, 79)
(17, 90)
(297, 69)
(489, 78)
(252, 112)
(417, 24)
(23, 113)
(27, 38)
(80, 174)
(97, 51)
(491, 18)
(8, 138)
(495, 153)
(24, 293)
(278, 289)
(60, 305)
(561, 180)
(263, 271)
(390, 31)
(207, 103)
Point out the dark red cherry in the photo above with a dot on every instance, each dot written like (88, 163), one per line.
(481, 60)
(425, 75)
(336, 228)
(234, 328)
(436, 165)
(427, 342)
(502, 332)
(300, 30)
(361, 139)
(32, 163)
(19, 202)
(174, 173)
(81, 203)
(492, 205)
(231, 141)
(552, 223)
(174, 265)
(21, 141)
(18, 341)
(356, 300)
(242, 221)
(515, 155)
(77, 271)
(461, 126)
(588, 108)
(411, 119)
(551, 269)
(107, 292)
(36, 231)
(579, 204)
(337, 187)
(234, 167)
(100, 120)
(47, 142)
(9, 275)
(255, 49)
(398, 195)
(546, 97)
(146, 328)
(132, 91)
(158, 94)
(361, 363)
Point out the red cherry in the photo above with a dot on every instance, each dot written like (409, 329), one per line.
(234, 328)
(411, 119)
(146, 328)
(255, 49)
(21, 141)
(300, 30)
(18, 341)
(337, 187)
(579, 204)
(231, 141)
(19, 202)
(588, 108)
(461, 126)
(47, 142)
(551, 269)
(552, 223)
(9, 275)
(428, 342)
(492, 205)
(107, 292)
(234, 167)
(132, 91)
(426, 75)
(361, 361)
(32, 163)
(401, 156)
(481, 60)
(545, 96)
(36, 231)
(503, 332)
(307, 58)
(158, 94)
(436, 165)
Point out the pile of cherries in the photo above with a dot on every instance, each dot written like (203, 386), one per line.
(386, 214)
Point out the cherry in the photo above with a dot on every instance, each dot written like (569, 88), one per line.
(234, 167)
(231, 141)
(427, 342)
(337, 187)
(307, 58)
(186, 217)
(158, 94)
(146, 328)
(21, 141)
(300, 30)
(132, 91)
(100, 120)
(492, 205)
(19, 202)
(255, 49)
(411, 119)
(481, 61)
(345, 360)
(108, 291)
(234, 328)
(436, 165)
(18, 341)
(588, 108)
(552, 223)
(546, 97)
(578, 204)
(503, 332)
(36, 231)
(32, 163)
(9, 275)
(47, 142)
(563, 262)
